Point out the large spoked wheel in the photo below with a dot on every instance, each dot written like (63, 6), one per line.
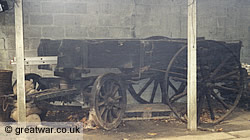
(109, 101)
(145, 91)
(220, 85)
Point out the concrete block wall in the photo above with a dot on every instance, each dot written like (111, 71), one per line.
(90, 19)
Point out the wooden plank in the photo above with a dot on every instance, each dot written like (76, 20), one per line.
(21, 101)
(147, 112)
(192, 67)
(141, 118)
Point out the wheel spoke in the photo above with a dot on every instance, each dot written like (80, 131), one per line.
(101, 103)
(225, 88)
(110, 117)
(154, 91)
(110, 86)
(177, 97)
(102, 110)
(172, 86)
(177, 74)
(181, 68)
(182, 88)
(200, 105)
(164, 92)
(219, 100)
(105, 115)
(179, 79)
(102, 93)
(117, 106)
(117, 98)
(114, 91)
(113, 113)
(135, 95)
(209, 106)
(145, 87)
(219, 67)
(226, 75)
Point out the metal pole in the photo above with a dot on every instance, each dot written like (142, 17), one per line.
(21, 101)
(192, 67)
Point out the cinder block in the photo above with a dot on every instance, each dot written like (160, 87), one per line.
(41, 19)
(126, 21)
(122, 9)
(2, 44)
(142, 20)
(93, 8)
(32, 31)
(31, 7)
(78, 8)
(105, 8)
(119, 32)
(76, 32)
(26, 44)
(26, 19)
(2, 19)
(66, 20)
(9, 19)
(143, 10)
(221, 22)
(155, 2)
(53, 32)
(98, 32)
(81, 1)
(11, 54)
(10, 43)
(147, 31)
(2, 66)
(87, 20)
(8, 31)
(33, 43)
(32, 53)
(121, 1)
(109, 20)
(52, 7)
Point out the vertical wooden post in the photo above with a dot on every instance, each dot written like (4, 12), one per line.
(192, 67)
(21, 101)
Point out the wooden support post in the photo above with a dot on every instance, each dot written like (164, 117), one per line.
(21, 101)
(192, 67)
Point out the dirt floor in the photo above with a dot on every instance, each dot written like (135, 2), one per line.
(136, 130)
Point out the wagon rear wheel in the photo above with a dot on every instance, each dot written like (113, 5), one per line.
(109, 101)
(220, 86)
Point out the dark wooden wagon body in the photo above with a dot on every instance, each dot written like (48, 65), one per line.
(78, 56)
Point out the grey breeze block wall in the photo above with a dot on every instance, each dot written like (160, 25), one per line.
(89, 19)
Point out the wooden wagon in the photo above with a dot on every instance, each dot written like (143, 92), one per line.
(159, 62)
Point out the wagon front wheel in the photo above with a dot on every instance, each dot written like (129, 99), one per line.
(108, 102)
